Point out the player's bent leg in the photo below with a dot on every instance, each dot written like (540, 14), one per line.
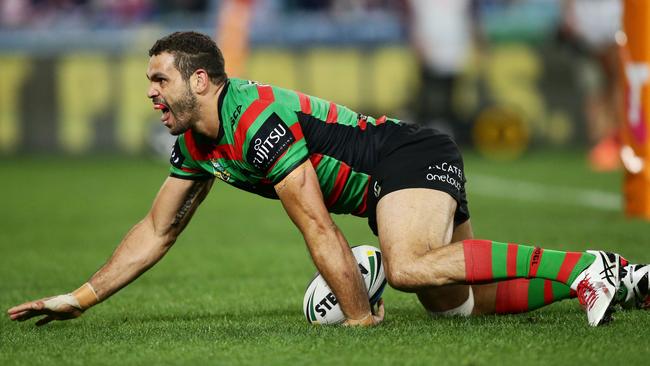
(503, 297)
(453, 299)
(410, 223)
(415, 227)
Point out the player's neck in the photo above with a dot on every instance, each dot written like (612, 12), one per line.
(208, 123)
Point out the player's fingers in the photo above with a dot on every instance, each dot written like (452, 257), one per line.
(17, 316)
(45, 320)
(19, 308)
(32, 305)
(35, 308)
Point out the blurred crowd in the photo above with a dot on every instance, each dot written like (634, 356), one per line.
(92, 14)
(444, 35)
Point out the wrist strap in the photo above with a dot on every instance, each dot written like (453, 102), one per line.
(86, 296)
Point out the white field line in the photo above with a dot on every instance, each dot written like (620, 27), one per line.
(491, 186)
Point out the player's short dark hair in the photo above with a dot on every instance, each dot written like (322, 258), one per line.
(192, 51)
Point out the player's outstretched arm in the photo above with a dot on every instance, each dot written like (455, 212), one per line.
(302, 199)
(142, 247)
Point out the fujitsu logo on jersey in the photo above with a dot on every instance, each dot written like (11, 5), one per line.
(263, 148)
(269, 142)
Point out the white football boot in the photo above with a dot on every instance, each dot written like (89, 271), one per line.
(597, 286)
(635, 287)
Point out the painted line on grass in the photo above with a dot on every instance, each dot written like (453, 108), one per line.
(491, 186)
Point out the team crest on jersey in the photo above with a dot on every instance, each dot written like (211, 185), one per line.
(219, 171)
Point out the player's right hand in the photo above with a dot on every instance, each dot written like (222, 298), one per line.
(374, 318)
(60, 307)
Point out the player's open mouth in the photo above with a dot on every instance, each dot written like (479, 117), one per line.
(165, 110)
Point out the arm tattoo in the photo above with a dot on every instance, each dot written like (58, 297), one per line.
(188, 203)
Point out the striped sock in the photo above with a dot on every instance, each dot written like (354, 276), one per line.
(489, 261)
(521, 295)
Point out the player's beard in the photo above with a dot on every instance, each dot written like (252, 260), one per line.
(185, 112)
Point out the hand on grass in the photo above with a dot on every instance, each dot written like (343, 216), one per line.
(375, 318)
(60, 307)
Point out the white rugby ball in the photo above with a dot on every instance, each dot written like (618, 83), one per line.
(320, 305)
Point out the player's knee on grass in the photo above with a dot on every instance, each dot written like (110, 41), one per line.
(448, 300)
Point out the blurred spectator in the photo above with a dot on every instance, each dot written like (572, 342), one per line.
(14, 13)
(43, 13)
(591, 25)
(118, 13)
(308, 5)
(360, 8)
(192, 6)
(90, 14)
(442, 36)
(94, 14)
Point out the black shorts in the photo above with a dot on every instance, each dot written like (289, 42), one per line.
(419, 158)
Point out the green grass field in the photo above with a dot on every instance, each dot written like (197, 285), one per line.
(230, 291)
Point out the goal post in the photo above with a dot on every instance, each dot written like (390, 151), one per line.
(634, 42)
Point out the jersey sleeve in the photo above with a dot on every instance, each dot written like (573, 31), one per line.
(182, 164)
(277, 146)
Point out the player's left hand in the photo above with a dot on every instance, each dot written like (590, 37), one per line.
(60, 307)
(372, 319)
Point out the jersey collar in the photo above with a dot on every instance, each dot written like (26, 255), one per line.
(224, 91)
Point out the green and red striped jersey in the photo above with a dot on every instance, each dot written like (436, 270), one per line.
(266, 132)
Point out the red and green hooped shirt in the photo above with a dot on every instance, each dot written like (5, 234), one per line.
(266, 132)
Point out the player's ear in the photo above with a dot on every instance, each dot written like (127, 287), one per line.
(199, 81)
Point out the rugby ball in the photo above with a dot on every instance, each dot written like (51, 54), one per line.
(320, 305)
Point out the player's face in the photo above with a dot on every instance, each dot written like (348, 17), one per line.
(171, 94)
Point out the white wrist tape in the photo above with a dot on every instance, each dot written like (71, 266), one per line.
(465, 309)
(56, 302)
